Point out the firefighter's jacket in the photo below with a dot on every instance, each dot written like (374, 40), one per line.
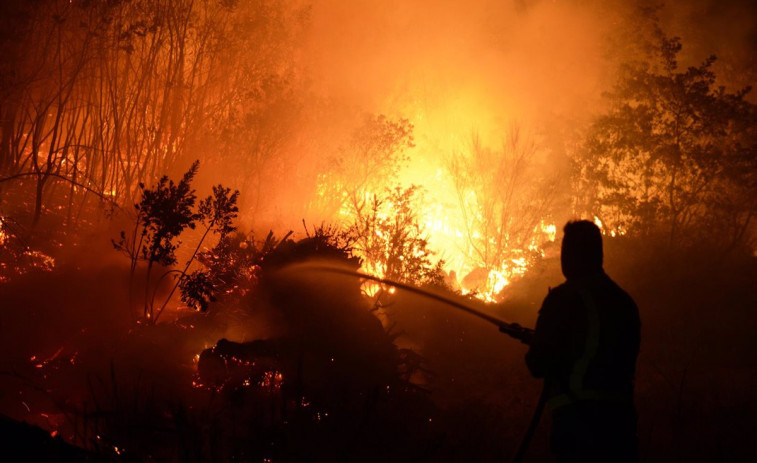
(586, 342)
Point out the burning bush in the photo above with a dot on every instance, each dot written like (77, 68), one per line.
(388, 237)
(16, 256)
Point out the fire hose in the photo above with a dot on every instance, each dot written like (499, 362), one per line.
(513, 330)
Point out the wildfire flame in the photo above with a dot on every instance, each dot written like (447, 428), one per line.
(440, 220)
(3, 235)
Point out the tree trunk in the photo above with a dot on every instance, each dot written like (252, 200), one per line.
(38, 199)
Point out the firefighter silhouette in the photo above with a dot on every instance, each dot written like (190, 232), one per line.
(585, 347)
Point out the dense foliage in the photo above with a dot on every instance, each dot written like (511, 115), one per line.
(675, 156)
(164, 212)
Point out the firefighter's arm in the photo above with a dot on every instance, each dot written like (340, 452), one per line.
(548, 345)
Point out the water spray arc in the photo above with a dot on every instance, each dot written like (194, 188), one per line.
(513, 330)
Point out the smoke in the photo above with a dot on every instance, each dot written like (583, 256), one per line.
(465, 71)
(453, 68)
(456, 71)
(725, 29)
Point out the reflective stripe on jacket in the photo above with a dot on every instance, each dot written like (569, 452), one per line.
(586, 342)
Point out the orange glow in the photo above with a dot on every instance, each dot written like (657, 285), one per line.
(613, 232)
(442, 221)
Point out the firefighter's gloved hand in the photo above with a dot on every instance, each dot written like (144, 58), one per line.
(518, 332)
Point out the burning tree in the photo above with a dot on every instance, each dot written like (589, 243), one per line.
(386, 234)
(376, 151)
(506, 198)
(674, 156)
(104, 95)
(261, 100)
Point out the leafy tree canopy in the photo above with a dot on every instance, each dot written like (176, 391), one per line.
(675, 155)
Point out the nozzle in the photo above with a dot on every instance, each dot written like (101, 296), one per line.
(514, 330)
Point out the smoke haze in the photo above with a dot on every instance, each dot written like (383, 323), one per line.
(462, 69)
